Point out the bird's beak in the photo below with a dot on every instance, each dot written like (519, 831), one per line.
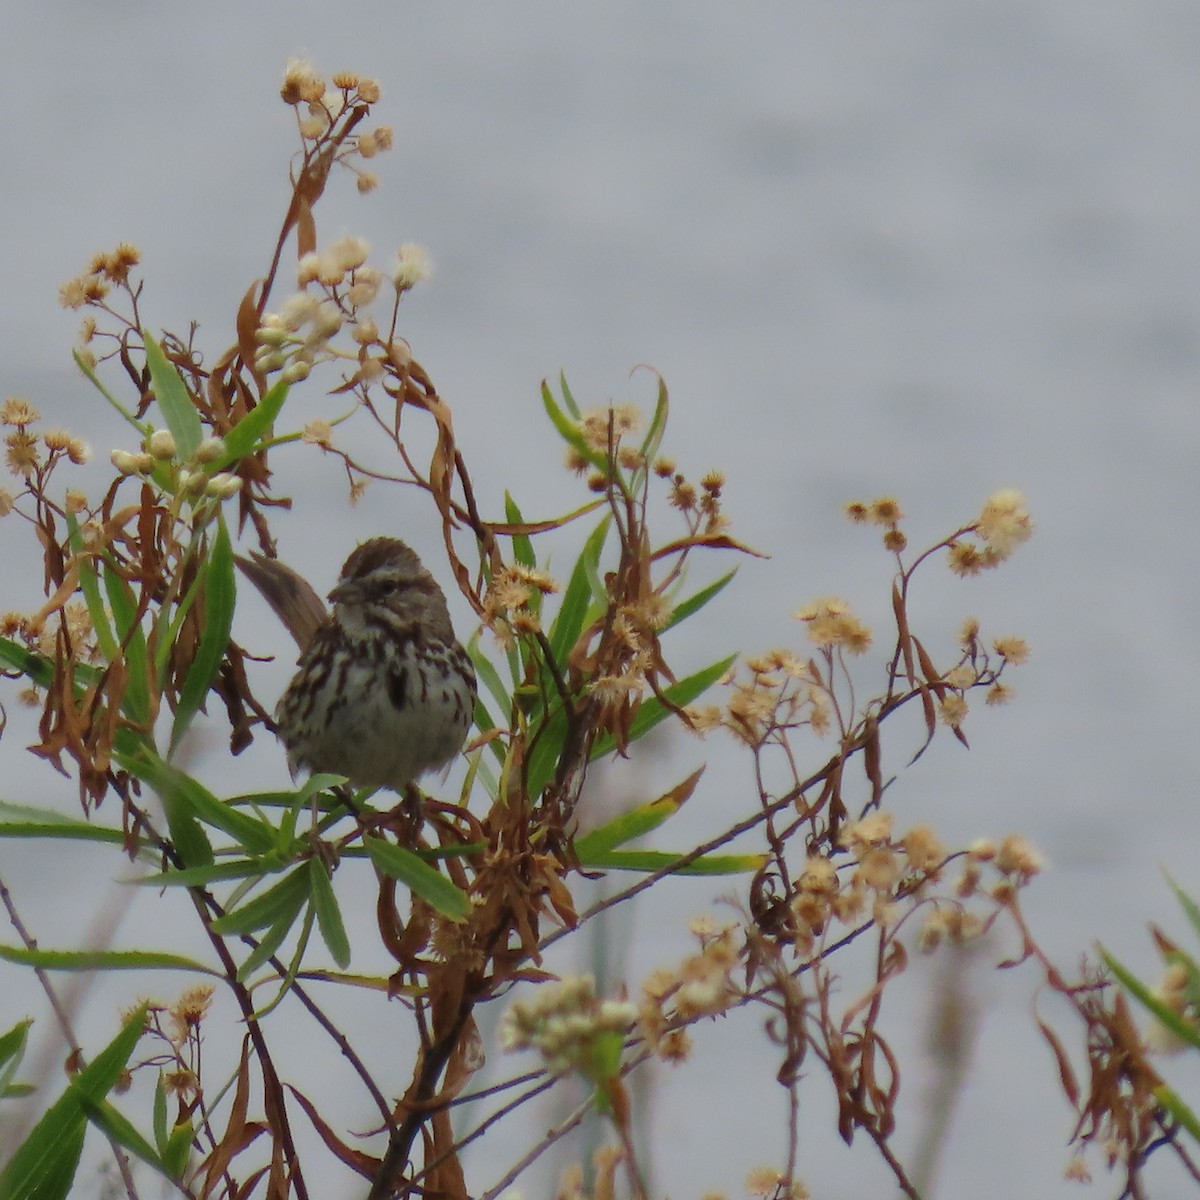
(345, 592)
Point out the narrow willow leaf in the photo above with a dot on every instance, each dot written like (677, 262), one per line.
(35, 667)
(12, 1051)
(268, 943)
(89, 584)
(570, 431)
(650, 861)
(143, 427)
(314, 785)
(1190, 908)
(242, 868)
(428, 882)
(294, 965)
(44, 1165)
(637, 821)
(119, 1129)
(658, 425)
(1171, 1101)
(178, 1151)
(693, 604)
(1163, 1013)
(160, 1112)
(123, 604)
(181, 792)
(488, 675)
(12, 1044)
(653, 711)
(103, 960)
(286, 898)
(568, 399)
(174, 401)
(577, 599)
(245, 436)
(165, 641)
(19, 820)
(329, 916)
(545, 750)
(522, 546)
(220, 590)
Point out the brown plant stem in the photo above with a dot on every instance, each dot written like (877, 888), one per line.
(64, 1023)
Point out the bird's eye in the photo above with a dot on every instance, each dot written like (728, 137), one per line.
(386, 587)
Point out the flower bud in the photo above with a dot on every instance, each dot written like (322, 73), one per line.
(161, 444)
(223, 485)
(210, 450)
(191, 483)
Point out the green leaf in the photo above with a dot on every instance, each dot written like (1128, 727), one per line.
(637, 822)
(693, 604)
(577, 599)
(313, 786)
(121, 600)
(12, 1051)
(119, 1129)
(174, 401)
(488, 675)
(242, 868)
(35, 667)
(189, 799)
(12, 1044)
(293, 967)
(1190, 908)
(522, 546)
(20, 820)
(89, 584)
(220, 592)
(485, 724)
(269, 942)
(329, 917)
(160, 1113)
(244, 437)
(545, 749)
(650, 861)
(568, 399)
(658, 425)
(44, 1165)
(1178, 1110)
(166, 631)
(89, 371)
(653, 711)
(571, 432)
(102, 960)
(428, 882)
(1163, 1013)
(285, 899)
(178, 1150)
(187, 833)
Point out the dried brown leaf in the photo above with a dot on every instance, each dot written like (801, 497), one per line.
(871, 759)
(1066, 1072)
(904, 637)
(239, 1133)
(365, 1165)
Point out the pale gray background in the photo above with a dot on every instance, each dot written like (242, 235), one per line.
(926, 248)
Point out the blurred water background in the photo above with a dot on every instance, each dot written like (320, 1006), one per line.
(922, 248)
